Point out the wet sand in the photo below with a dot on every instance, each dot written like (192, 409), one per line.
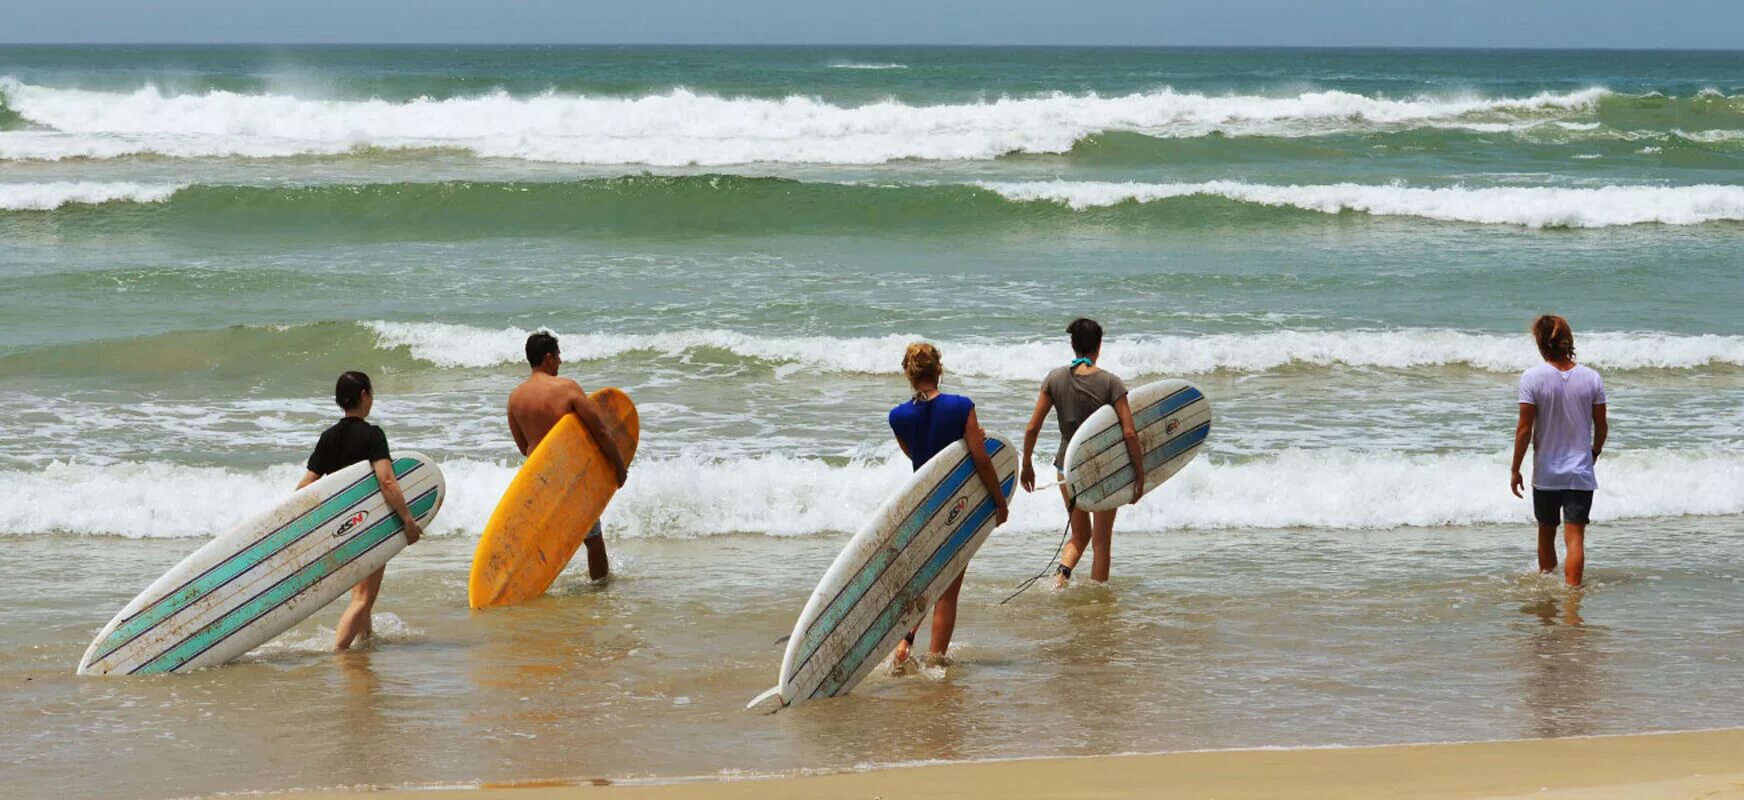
(1707, 765)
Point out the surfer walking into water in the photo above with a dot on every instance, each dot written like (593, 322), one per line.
(1075, 392)
(1562, 418)
(535, 408)
(927, 423)
(348, 441)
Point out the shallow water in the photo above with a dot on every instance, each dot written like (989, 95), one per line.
(1202, 640)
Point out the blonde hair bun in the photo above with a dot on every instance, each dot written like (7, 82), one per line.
(921, 363)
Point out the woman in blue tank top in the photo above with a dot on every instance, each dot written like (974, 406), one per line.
(927, 423)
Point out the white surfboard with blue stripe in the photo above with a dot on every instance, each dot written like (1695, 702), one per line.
(258, 579)
(1172, 418)
(891, 572)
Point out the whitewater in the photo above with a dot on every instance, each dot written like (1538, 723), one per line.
(785, 495)
(1526, 206)
(1529, 206)
(452, 345)
(681, 127)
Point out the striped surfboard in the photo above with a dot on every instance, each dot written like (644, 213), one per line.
(891, 573)
(258, 579)
(1172, 418)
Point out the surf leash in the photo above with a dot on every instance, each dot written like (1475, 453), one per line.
(1022, 587)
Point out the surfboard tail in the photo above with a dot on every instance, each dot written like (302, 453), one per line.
(774, 691)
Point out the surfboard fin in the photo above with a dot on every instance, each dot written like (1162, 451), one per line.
(774, 691)
(783, 640)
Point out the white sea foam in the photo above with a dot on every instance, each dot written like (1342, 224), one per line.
(1530, 206)
(876, 66)
(55, 194)
(784, 496)
(449, 345)
(1715, 136)
(681, 127)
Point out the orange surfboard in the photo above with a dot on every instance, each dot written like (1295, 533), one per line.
(549, 507)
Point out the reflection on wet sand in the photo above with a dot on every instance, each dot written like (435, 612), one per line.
(918, 715)
(1094, 686)
(360, 732)
(1562, 676)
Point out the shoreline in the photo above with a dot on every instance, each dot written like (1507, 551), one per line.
(1698, 764)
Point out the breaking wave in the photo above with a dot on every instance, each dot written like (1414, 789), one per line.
(786, 496)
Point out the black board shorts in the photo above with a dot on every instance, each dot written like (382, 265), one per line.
(1552, 506)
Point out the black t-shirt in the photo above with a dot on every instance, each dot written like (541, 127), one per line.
(349, 441)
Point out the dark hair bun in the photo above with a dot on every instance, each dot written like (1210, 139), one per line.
(1555, 338)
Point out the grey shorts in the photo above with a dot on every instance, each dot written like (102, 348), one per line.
(595, 531)
(1554, 506)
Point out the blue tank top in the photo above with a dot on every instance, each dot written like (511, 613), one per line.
(926, 428)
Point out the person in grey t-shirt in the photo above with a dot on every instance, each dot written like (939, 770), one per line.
(1562, 416)
(1074, 392)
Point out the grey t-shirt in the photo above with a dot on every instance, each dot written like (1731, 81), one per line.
(1078, 396)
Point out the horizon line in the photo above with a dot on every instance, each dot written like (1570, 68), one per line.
(890, 45)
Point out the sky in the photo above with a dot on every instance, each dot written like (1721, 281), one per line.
(1715, 24)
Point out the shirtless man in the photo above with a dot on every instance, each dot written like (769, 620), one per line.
(539, 402)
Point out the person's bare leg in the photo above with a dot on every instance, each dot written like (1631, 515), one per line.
(903, 647)
(355, 622)
(1546, 547)
(597, 565)
(1075, 546)
(1102, 539)
(1574, 537)
(945, 617)
(1079, 522)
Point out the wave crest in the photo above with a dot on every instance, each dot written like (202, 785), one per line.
(1529, 206)
(682, 128)
(450, 345)
(657, 204)
(58, 194)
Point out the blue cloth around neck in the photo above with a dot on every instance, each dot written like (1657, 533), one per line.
(1082, 360)
(926, 427)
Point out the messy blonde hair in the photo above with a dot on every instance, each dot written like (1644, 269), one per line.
(921, 363)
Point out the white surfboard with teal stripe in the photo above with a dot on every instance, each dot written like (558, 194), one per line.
(1172, 418)
(891, 572)
(260, 578)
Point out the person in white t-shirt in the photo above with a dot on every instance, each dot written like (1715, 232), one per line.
(1562, 417)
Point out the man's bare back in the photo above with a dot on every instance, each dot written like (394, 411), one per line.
(537, 404)
(543, 398)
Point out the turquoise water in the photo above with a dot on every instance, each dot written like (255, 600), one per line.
(1342, 248)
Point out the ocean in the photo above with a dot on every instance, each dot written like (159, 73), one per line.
(1342, 248)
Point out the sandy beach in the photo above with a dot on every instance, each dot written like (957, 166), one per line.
(1682, 765)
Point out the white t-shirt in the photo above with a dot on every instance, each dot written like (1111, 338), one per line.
(1562, 437)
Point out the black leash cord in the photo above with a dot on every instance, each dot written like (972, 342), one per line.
(1022, 587)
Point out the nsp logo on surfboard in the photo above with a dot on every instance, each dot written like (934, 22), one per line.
(962, 503)
(357, 518)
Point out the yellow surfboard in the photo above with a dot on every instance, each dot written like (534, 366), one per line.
(549, 507)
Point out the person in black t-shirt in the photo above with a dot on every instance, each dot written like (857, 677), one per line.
(350, 440)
